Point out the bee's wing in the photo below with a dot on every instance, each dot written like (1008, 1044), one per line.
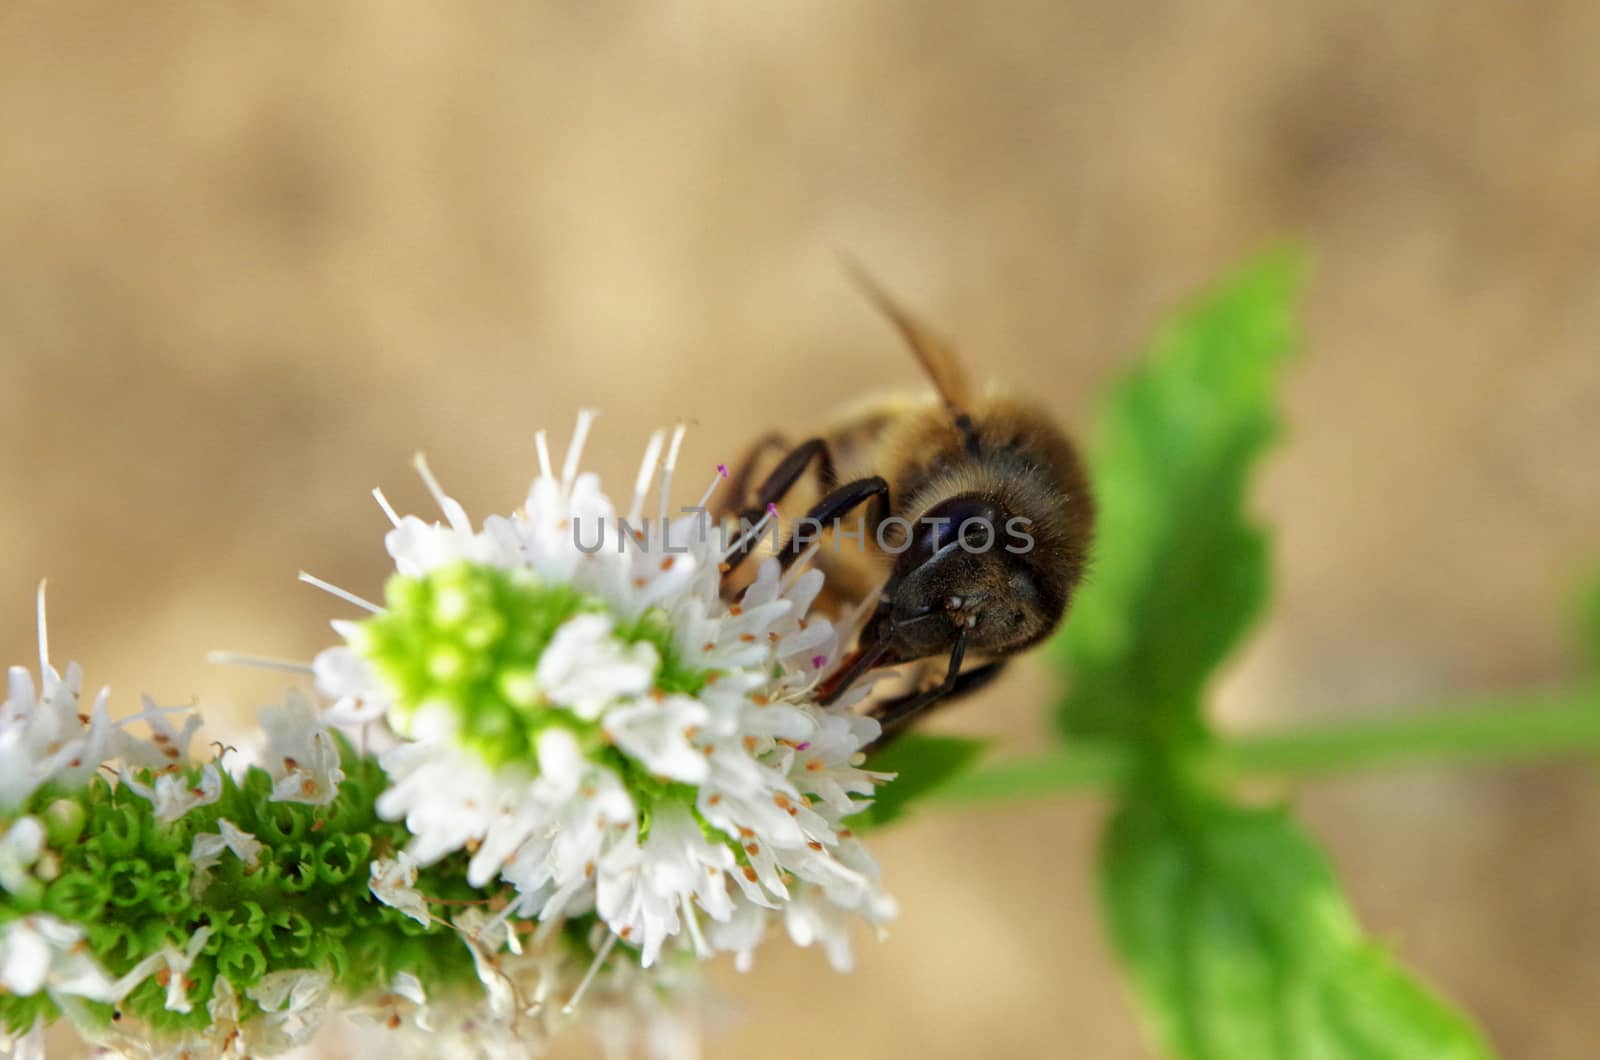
(938, 360)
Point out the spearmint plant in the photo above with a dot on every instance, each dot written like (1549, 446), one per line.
(553, 771)
(1228, 918)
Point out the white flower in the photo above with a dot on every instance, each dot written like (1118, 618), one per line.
(394, 882)
(582, 710)
(293, 1003)
(741, 933)
(629, 1011)
(21, 843)
(403, 1006)
(223, 1035)
(206, 851)
(811, 919)
(660, 735)
(27, 1045)
(174, 794)
(177, 964)
(168, 744)
(301, 754)
(586, 669)
(361, 701)
(40, 952)
(46, 738)
(444, 793)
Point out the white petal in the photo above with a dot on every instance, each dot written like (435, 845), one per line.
(658, 734)
(394, 884)
(586, 670)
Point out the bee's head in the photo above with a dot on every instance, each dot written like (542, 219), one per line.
(965, 566)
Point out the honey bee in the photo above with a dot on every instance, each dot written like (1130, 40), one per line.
(974, 520)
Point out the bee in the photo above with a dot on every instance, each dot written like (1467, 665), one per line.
(973, 524)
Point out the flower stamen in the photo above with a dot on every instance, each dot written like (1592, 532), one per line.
(343, 594)
(588, 977)
(388, 509)
(580, 436)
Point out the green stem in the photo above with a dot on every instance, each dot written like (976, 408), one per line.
(1496, 729)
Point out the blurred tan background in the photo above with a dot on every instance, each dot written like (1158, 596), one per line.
(255, 255)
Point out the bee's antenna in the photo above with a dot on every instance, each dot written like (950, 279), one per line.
(936, 357)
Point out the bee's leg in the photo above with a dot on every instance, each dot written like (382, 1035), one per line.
(851, 669)
(777, 486)
(737, 495)
(897, 714)
(841, 501)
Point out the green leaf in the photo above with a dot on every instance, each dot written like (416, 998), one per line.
(1178, 571)
(1241, 947)
(924, 763)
